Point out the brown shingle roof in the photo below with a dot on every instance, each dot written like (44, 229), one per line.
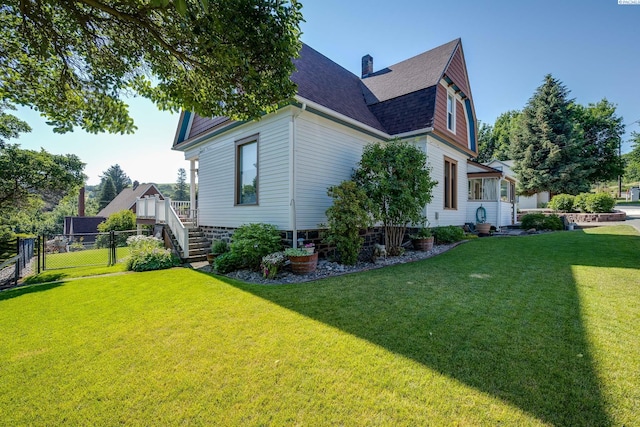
(420, 72)
(322, 81)
(396, 99)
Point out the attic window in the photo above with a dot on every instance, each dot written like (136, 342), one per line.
(451, 112)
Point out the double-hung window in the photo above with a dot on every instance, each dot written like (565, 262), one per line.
(451, 112)
(247, 171)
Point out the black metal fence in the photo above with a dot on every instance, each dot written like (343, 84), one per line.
(18, 265)
(83, 250)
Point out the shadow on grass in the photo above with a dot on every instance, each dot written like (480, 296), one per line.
(500, 315)
(24, 290)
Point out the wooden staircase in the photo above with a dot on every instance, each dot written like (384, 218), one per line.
(199, 246)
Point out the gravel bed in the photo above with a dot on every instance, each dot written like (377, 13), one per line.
(328, 269)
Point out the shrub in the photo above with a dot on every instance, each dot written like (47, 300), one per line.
(396, 181)
(580, 202)
(345, 218)
(562, 202)
(148, 254)
(448, 234)
(120, 221)
(532, 220)
(541, 221)
(295, 252)
(272, 263)
(219, 247)
(553, 222)
(600, 203)
(227, 262)
(251, 242)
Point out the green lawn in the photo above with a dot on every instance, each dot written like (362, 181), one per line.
(537, 330)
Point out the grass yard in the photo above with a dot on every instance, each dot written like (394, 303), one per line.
(537, 330)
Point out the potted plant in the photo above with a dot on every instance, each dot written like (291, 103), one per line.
(301, 261)
(309, 247)
(218, 247)
(423, 239)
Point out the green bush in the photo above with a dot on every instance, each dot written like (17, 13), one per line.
(120, 221)
(540, 221)
(553, 222)
(251, 242)
(533, 220)
(448, 234)
(227, 262)
(345, 218)
(600, 203)
(580, 202)
(219, 247)
(562, 202)
(148, 254)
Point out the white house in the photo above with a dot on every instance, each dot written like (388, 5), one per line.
(277, 169)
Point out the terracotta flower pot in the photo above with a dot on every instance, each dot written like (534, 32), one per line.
(483, 228)
(425, 244)
(304, 264)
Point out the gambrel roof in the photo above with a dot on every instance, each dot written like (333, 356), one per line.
(397, 99)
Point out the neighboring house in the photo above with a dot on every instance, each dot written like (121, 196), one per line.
(83, 228)
(126, 200)
(277, 169)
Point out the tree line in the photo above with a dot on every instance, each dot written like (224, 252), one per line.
(557, 145)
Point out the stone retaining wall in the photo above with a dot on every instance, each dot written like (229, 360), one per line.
(581, 217)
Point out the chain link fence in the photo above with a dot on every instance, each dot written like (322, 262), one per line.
(17, 260)
(84, 250)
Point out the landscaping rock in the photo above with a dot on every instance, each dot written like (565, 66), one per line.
(328, 268)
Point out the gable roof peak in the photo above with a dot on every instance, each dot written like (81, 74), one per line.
(416, 73)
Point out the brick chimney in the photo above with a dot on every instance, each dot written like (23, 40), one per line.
(367, 65)
(81, 202)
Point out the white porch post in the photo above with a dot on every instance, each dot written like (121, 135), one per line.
(192, 188)
(499, 219)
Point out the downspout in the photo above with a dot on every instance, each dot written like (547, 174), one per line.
(293, 216)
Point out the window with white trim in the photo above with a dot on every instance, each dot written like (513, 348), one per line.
(450, 184)
(247, 171)
(451, 112)
(483, 189)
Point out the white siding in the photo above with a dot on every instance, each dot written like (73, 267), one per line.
(326, 153)
(216, 175)
(436, 153)
(491, 209)
(506, 214)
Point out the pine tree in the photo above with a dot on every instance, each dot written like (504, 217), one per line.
(120, 179)
(108, 193)
(546, 146)
(180, 188)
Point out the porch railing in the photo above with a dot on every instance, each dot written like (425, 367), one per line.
(170, 213)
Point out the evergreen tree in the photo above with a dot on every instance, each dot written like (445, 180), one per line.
(120, 179)
(546, 146)
(108, 193)
(180, 189)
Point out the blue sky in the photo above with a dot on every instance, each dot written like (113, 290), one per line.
(592, 46)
